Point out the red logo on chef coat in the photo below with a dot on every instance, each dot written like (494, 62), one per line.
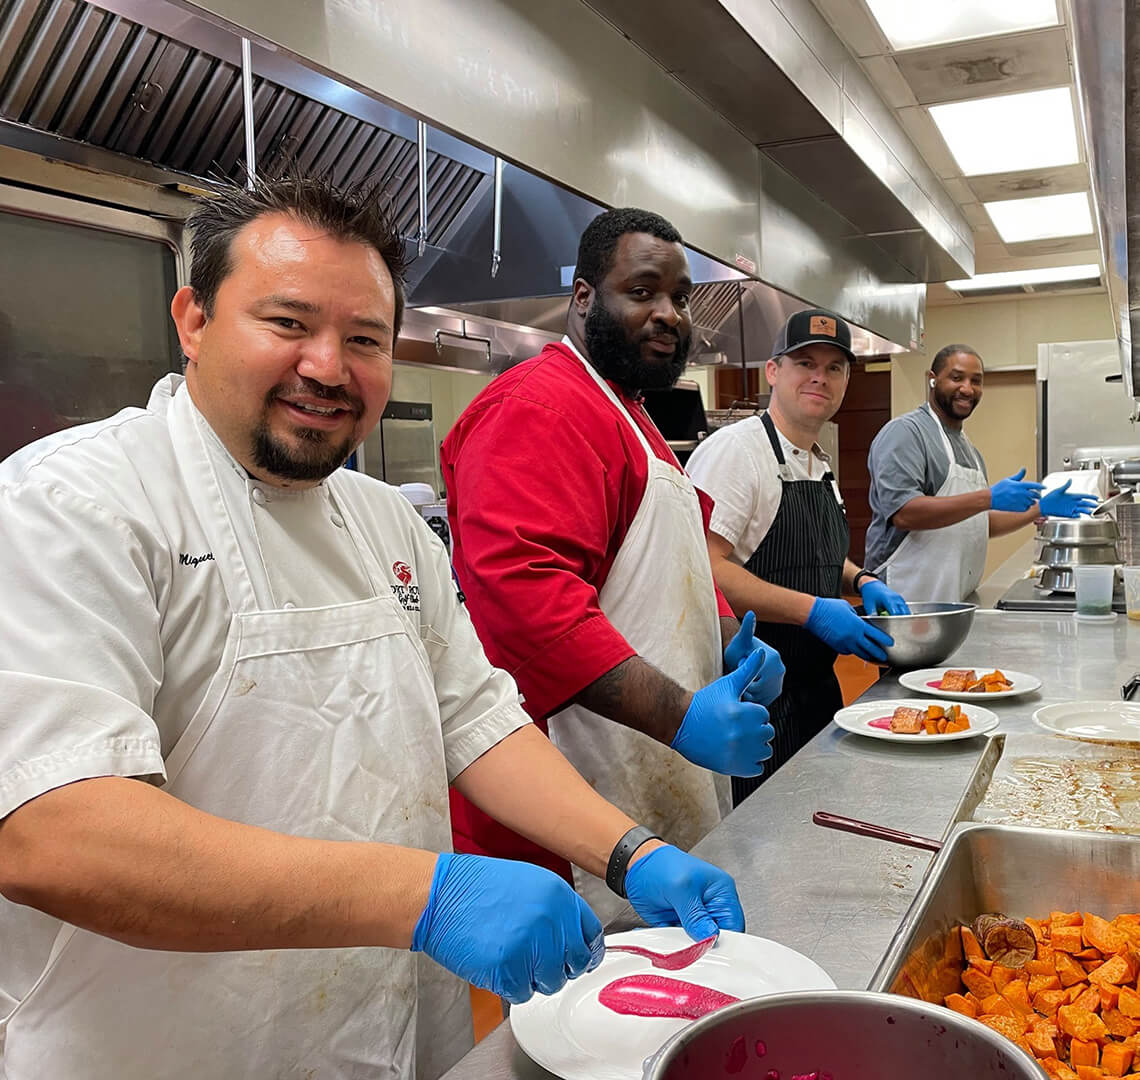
(402, 571)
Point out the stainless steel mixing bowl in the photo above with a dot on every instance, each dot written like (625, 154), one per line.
(929, 634)
(845, 1034)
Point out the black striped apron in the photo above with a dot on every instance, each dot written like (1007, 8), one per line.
(805, 550)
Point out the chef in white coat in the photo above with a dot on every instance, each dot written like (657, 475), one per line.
(933, 509)
(236, 682)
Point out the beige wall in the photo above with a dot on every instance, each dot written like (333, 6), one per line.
(1006, 334)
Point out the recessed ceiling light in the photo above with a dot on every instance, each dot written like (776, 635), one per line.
(1010, 133)
(1047, 275)
(911, 25)
(1043, 218)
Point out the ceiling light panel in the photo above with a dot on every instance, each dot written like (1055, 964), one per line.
(1010, 133)
(908, 24)
(1044, 218)
(1044, 276)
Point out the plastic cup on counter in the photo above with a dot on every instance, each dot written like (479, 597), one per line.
(1132, 591)
(1094, 590)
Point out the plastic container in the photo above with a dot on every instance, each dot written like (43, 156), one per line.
(1094, 590)
(418, 494)
(1132, 591)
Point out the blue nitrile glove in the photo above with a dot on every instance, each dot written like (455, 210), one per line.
(1014, 493)
(670, 888)
(723, 733)
(507, 926)
(834, 622)
(877, 598)
(769, 681)
(1059, 503)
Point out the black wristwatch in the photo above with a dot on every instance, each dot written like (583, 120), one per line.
(622, 853)
(862, 574)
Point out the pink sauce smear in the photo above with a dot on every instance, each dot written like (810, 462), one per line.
(884, 723)
(673, 961)
(936, 685)
(660, 996)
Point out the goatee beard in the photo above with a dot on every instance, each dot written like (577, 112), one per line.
(946, 403)
(619, 359)
(315, 457)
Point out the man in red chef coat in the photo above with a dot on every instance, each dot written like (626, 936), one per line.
(580, 544)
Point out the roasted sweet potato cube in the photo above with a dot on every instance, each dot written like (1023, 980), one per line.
(997, 1005)
(1058, 1070)
(1081, 1024)
(942, 725)
(1045, 952)
(961, 1005)
(1101, 934)
(971, 947)
(1075, 991)
(1088, 999)
(1048, 1001)
(1002, 975)
(1064, 918)
(979, 983)
(1042, 1023)
(1066, 939)
(935, 712)
(961, 724)
(1118, 1024)
(1089, 1072)
(1129, 1002)
(1115, 1059)
(1017, 994)
(1084, 1053)
(1012, 1027)
(1068, 970)
(930, 727)
(1040, 967)
(1037, 983)
(1041, 1044)
(1134, 919)
(1088, 953)
(986, 967)
(1109, 997)
(1112, 972)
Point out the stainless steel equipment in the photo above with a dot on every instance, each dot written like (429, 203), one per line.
(1058, 556)
(1065, 543)
(402, 448)
(1078, 532)
(1128, 524)
(1020, 871)
(929, 634)
(849, 1034)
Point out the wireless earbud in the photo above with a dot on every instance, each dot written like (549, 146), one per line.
(932, 383)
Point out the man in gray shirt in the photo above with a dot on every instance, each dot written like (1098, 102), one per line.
(932, 507)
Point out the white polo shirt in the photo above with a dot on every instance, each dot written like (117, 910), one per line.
(736, 466)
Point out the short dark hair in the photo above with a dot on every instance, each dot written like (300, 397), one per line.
(360, 213)
(947, 351)
(600, 239)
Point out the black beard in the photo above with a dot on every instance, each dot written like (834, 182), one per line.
(618, 358)
(946, 403)
(316, 458)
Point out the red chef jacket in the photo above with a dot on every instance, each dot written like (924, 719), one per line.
(543, 479)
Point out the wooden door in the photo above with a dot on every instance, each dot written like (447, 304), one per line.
(866, 408)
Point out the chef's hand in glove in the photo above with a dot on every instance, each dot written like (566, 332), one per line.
(1059, 503)
(723, 733)
(669, 888)
(877, 599)
(1014, 493)
(834, 622)
(507, 926)
(769, 680)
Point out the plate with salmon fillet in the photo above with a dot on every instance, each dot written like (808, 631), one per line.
(961, 682)
(911, 720)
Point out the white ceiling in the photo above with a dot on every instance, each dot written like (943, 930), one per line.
(910, 81)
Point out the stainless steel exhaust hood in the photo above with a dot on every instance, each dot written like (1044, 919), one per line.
(1107, 38)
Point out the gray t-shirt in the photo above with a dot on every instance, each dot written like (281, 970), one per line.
(908, 459)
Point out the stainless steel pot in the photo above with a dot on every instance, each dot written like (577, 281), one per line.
(1064, 555)
(1057, 579)
(847, 1034)
(1078, 531)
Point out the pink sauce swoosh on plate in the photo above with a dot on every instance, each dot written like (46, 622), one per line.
(936, 685)
(883, 723)
(672, 961)
(660, 996)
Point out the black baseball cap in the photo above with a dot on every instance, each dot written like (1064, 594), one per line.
(813, 326)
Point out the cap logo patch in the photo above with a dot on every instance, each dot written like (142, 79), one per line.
(821, 324)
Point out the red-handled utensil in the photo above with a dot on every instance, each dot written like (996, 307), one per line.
(876, 832)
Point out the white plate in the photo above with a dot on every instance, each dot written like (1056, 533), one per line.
(1092, 721)
(919, 681)
(856, 719)
(577, 1038)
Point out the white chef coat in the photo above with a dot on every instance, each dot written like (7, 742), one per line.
(115, 617)
(736, 466)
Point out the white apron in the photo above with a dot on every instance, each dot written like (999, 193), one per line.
(660, 595)
(943, 565)
(322, 723)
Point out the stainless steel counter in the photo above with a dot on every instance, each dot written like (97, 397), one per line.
(839, 898)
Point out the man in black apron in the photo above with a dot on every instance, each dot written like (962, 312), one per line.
(778, 537)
